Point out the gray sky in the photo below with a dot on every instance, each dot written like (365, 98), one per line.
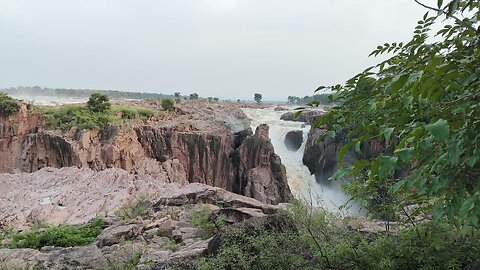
(224, 48)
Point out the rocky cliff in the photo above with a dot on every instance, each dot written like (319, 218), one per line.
(209, 144)
(321, 158)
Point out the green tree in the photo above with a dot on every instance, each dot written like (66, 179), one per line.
(177, 96)
(422, 104)
(168, 104)
(194, 96)
(98, 103)
(215, 99)
(8, 105)
(257, 97)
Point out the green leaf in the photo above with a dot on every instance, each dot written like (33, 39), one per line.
(405, 153)
(387, 166)
(440, 130)
(386, 132)
(467, 205)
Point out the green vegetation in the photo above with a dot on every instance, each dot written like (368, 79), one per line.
(132, 263)
(168, 104)
(139, 208)
(95, 115)
(58, 236)
(257, 97)
(202, 219)
(318, 99)
(319, 240)
(171, 245)
(98, 103)
(8, 105)
(194, 96)
(423, 103)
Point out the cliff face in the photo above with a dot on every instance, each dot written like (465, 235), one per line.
(321, 158)
(13, 131)
(180, 153)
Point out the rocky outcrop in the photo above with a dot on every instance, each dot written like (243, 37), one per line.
(260, 172)
(308, 116)
(13, 131)
(163, 238)
(293, 140)
(196, 144)
(321, 158)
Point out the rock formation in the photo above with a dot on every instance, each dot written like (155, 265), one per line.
(294, 139)
(205, 144)
(308, 116)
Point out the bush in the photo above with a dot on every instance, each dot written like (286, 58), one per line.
(73, 116)
(58, 236)
(323, 241)
(137, 209)
(8, 105)
(202, 219)
(98, 103)
(167, 104)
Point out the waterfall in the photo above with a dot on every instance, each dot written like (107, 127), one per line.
(302, 183)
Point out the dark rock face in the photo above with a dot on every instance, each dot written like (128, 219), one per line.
(307, 116)
(294, 139)
(322, 158)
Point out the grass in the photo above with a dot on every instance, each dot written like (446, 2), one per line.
(58, 236)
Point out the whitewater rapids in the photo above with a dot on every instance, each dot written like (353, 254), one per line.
(302, 183)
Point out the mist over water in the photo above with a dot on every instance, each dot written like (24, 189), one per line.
(302, 183)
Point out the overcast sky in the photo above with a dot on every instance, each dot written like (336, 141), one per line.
(223, 48)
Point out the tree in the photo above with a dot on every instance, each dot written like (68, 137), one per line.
(257, 97)
(177, 96)
(215, 99)
(167, 104)
(210, 99)
(422, 105)
(194, 96)
(98, 103)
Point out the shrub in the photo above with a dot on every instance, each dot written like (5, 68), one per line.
(58, 236)
(137, 209)
(98, 103)
(8, 105)
(203, 220)
(73, 116)
(167, 104)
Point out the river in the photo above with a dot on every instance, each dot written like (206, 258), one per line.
(302, 183)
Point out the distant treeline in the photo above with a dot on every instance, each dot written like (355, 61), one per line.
(320, 98)
(80, 93)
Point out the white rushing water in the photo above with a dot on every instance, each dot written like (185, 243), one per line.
(302, 183)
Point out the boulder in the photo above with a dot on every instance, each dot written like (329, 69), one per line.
(294, 140)
(308, 116)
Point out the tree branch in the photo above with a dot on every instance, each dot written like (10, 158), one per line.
(442, 11)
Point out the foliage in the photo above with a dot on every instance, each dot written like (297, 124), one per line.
(98, 103)
(202, 219)
(318, 99)
(177, 97)
(423, 104)
(324, 241)
(73, 116)
(8, 105)
(80, 93)
(194, 96)
(257, 97)
(139, 208)
(168, 104)
(257, 249)
(58, 236)
(171, 245)
(132, 263)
